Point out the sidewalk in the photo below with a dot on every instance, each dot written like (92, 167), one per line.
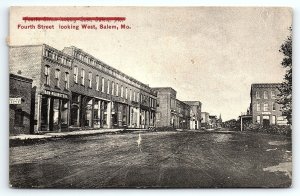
(63, 134)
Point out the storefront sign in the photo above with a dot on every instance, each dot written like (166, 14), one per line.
(266, 113)
(15, 101)
(56, 94)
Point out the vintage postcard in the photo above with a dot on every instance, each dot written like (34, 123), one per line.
(150, 97)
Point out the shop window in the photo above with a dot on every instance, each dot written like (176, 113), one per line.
(258, 119)
(274, 119)
(64, 113)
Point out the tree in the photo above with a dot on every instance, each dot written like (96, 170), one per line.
(285, 95)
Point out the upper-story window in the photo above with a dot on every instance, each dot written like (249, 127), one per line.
(273, 96)
(102, 85)
(265, 95)
(126, 93)
(57, 77)
(266, 106)
(67, 80)
(68, 62)
(134, 98)
(258, 107)
(76, 74)
(47, 74)
(257, 95)
(97, 82)
(108, 86)
(130, 94)
(112, 88)
(122, 91)
(138, 97)
(82, 76)
(90, 79)
(117, 89)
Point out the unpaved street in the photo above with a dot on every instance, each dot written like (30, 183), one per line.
(162, 159)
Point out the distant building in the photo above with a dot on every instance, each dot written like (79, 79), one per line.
(213, 121)
(263, 107)
(170, 111)
(176, 113)
(20, 119)
(204, 119)
(195, 114)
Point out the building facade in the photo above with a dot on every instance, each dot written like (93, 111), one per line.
(264, 108)
(205, 119)
(175, 113)
(20, 119)
(75, 90)
(195, 114)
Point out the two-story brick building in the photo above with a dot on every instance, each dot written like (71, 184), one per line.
(264, 108)
(176, 113)
(76, 90)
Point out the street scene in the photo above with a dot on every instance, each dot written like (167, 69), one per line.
(203, 102)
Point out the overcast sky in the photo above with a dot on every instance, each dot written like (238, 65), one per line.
(208, 54)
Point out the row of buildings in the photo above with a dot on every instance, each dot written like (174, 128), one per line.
(53, 90)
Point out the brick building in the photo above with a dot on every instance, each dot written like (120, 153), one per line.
(175, 113)
(20, 119)
(263, 107)
(195, 114)
(205, 119)
(75, 90)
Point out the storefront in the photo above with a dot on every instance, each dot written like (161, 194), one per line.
(89, 112)
(54, 111)
(120, 115)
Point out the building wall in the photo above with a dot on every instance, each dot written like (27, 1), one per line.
(205, 117)
(195, 114)
(20, 114)
(164, 98)
(261, 96)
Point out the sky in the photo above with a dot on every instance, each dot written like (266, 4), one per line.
(209, 54)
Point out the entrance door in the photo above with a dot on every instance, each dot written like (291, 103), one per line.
(266, 121)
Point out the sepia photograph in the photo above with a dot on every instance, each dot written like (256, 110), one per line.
(150, 97)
